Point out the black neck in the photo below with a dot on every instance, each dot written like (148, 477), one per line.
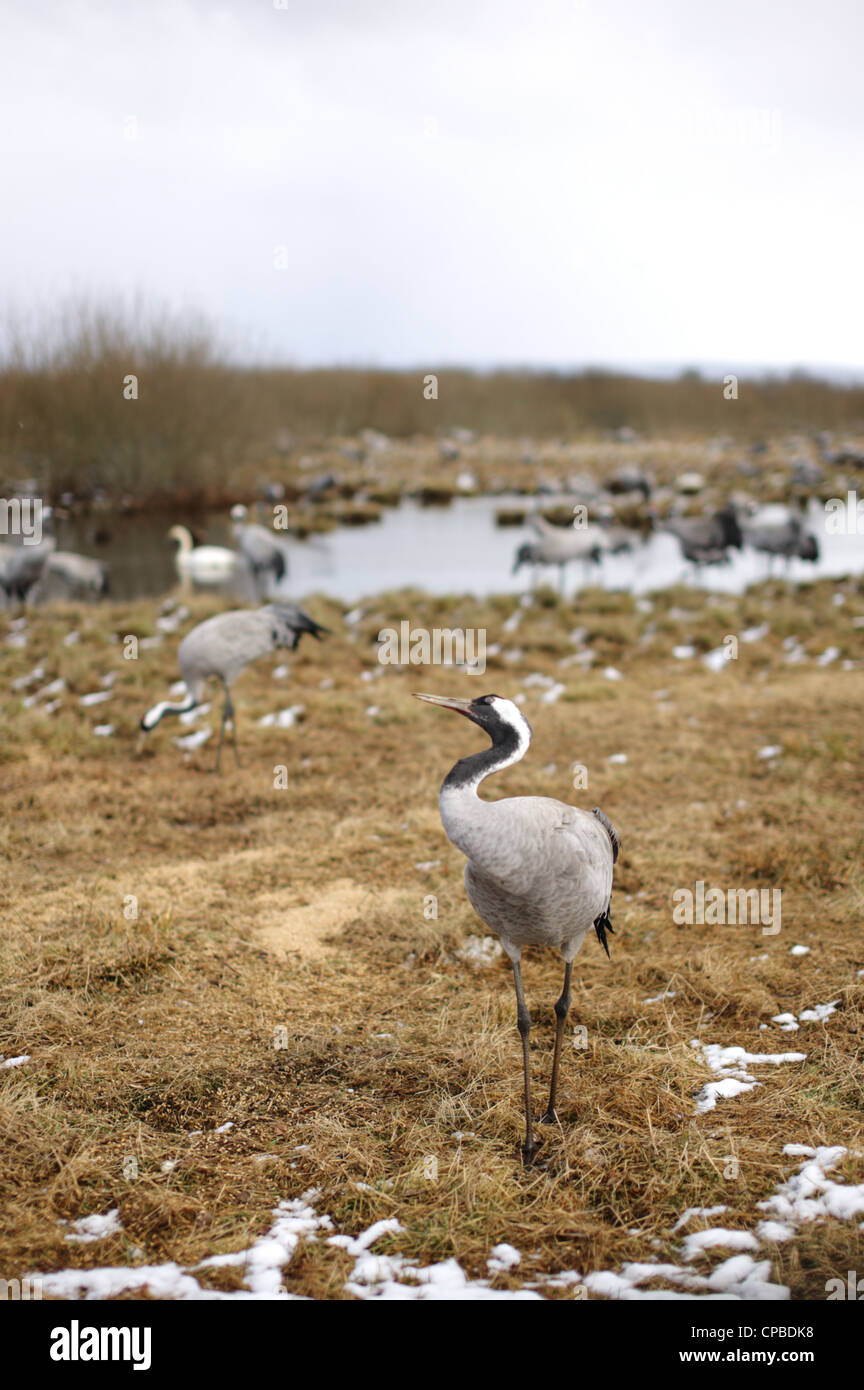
(471, 771)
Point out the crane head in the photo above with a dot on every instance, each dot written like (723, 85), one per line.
(498, 717)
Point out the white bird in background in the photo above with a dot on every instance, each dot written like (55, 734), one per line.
(202, 564)
(223, 647)
(263, 551)
(539, 872)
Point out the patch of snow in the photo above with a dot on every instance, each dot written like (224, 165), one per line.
(699, 1241)
(480, 951)
(283, 718)
(819, 1012)
(503, 1257)
(810, 1195)
(89, 1228)
(189, 742)
(689, 1214)
(728, 1063)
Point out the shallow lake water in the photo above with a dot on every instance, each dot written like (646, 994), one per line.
(454, 549)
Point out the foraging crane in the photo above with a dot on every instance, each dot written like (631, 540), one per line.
(74, 575)
(539, 872)
(21, 567)
(787, 539)
(202, 564)
(264, 552)
(721, 531)
(558, 545)
(223, 647)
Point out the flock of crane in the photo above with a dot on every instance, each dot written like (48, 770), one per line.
(704, 540)
(539, 872)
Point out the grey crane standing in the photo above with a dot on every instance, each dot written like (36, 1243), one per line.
(71, 575)
(706, 540)
(223, 647)
(786, 538)
(558, 545)
(539, 872)
(264, 552)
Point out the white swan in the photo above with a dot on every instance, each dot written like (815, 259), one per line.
(202, 564)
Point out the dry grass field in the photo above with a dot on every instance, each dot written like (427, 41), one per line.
(281, 977)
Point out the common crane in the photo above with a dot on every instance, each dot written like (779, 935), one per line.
(223, 647)
(539, 872)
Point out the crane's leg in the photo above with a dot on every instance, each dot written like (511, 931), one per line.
(523, 1023)
(562, 1008)
(230, 713)
(227, 713)
(233, 717)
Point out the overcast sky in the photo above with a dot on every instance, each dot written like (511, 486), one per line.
(462, 181)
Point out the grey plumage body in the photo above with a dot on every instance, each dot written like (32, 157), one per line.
(223, 646)
(787, 539)
(21, 566)
(706, 533)
(559, 545)
(539, 872)
(264, 552)
(68, 573)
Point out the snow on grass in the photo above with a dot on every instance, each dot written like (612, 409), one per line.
(503, 1257)
(283, 718)
(480, 951)
(189, 742)
(739, 1277)
(691, 1212)
(810, 1195)
(96, 1227)
(700, 1241)
(717, 659)
(16, 1061)
(789, 1024)
(729, 1063)
(819, 1012)
(262, 1263)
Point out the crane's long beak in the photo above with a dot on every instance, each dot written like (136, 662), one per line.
(461, 706)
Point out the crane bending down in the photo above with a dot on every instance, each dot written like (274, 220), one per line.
(539, 872)
(223, 647)
(265, 553)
